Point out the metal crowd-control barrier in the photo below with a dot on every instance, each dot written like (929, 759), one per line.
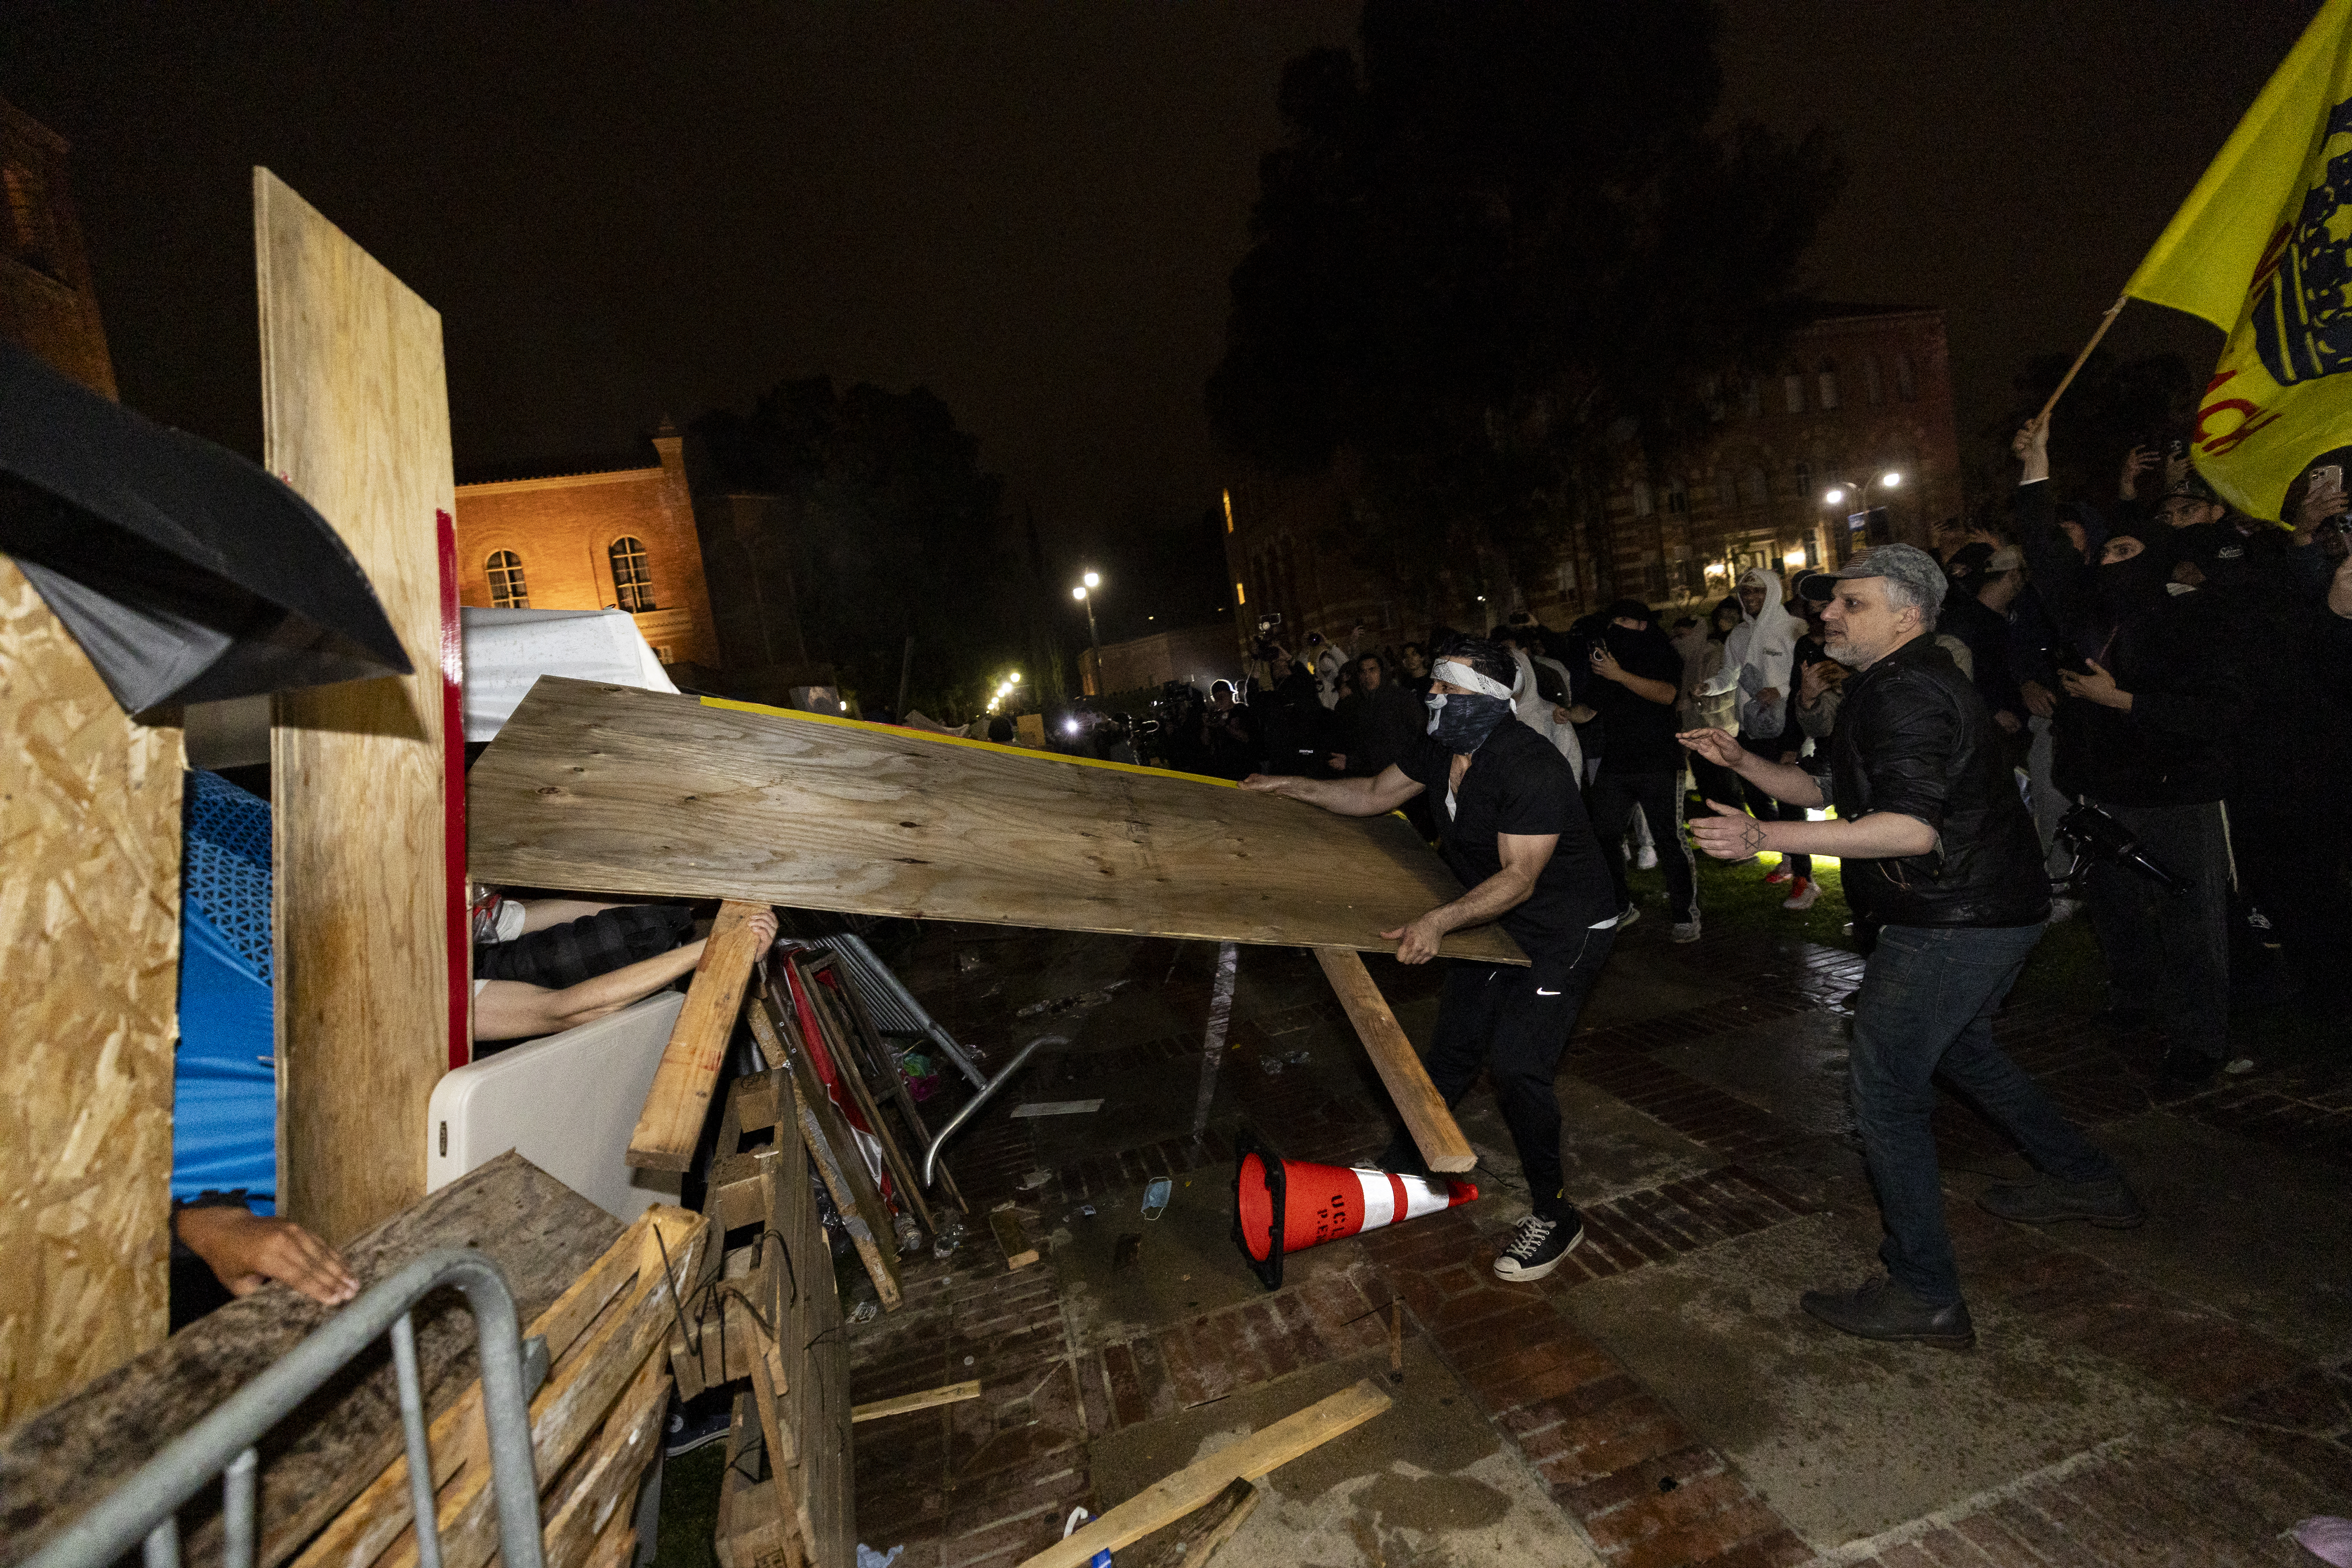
(145, 1507)
(894, 1010)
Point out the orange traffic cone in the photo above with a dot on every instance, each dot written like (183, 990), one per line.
(1331, 1202)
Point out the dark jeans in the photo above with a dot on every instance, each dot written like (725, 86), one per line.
(1926, 1009)
(2169, 954)
(1763, 808)
(1516, 1023)
(1611, 803)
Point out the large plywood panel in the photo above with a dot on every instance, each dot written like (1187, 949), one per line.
(609, 789)
(89, 946)
(355, 413)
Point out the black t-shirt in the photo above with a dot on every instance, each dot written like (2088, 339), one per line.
(1519, 783)
(1641, 732)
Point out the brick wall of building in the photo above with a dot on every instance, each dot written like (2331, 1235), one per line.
(46, 301)
(1862, 392)
(562, 530)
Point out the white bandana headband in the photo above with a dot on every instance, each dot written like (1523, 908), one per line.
(1454, 672)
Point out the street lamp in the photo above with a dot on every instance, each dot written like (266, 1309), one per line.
(1092, 579)
(1858, 494)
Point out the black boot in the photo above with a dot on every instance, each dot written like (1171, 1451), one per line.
(1884, 1309)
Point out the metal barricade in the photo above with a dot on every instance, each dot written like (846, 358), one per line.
(145, 1507)
(893, 1009)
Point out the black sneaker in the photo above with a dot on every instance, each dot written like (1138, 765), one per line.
(1884, 1309)
(1536, 1247)
(2047, 1201)
(696, 1423)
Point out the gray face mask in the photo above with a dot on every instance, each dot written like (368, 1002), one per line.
(1462, 721)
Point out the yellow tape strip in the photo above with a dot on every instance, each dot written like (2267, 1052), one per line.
(905, 731)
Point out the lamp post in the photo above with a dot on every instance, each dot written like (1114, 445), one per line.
(1856, 492)
(1083, 594)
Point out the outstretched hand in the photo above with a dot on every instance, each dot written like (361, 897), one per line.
(1717, 746)
(1272, 783)
(248, 1252)
(1417, 943)
(1730, 833)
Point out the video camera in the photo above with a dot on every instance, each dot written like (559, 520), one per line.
(2093, 837)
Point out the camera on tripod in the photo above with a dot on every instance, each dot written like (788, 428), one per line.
(2093, 837)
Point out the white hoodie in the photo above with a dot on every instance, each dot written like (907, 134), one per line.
(1763, 646)
(1536, 713)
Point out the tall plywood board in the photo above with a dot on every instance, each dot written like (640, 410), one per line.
(609, 789)
(90, 947)
(355, 414)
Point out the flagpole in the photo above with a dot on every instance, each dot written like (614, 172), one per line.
(2068, 379)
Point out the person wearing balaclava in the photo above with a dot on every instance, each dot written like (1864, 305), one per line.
(2156, 683)
(1761, 654)
(1511, 826)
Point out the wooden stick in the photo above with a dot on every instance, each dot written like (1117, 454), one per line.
(838, 1159)
(2068, 379)
(948, 1394)
(1197, 1484)
(679, 1101)
(1425, 1116)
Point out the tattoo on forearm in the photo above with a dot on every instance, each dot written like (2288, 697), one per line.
(1751, 836)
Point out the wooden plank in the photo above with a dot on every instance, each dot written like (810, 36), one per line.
(356, 415)
(376, 1519)
(610, 789)
(679, 1101)
(947, 1394)
(1196, 1485)
(603, 1485)
(1018, 1253)
(1425, 1115)
(814, 1353)
(89, 931)
(541, 1233)
(841, 1043)
(830, 1144)
(1189, 1542)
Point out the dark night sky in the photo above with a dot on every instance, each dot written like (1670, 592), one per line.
(1031, 208)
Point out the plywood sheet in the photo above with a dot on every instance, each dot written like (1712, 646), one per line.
(356, 415)
(89, 944)
(608, 789)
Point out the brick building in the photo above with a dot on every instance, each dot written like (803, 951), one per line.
(619, 539)
(1863, 392)
(47, 302)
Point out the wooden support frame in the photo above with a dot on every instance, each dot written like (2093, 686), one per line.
(1433, 1126)
(831, 1145)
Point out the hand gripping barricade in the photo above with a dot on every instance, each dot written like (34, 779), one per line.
(1289, 1206)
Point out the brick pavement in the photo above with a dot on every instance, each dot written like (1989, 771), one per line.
(2265, 1431)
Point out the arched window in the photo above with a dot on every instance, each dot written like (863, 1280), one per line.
(508, 591)
(1792, 392)
(1828, 384)
(1677, 496)
(1874, 390)
(633, 580)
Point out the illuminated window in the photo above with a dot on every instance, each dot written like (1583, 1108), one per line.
(1240, 597)
(633, 580)
(507, 589)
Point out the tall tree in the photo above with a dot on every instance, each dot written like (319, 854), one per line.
(893, 531)
(1502, 237)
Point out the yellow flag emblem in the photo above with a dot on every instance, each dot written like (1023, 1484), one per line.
(2263, 249)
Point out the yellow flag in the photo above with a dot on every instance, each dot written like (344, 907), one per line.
(2263, 249)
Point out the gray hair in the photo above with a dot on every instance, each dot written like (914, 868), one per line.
(1911, 575)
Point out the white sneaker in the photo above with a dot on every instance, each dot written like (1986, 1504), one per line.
(1536, 1247)
(1647, 860)
(1808, 890)
(2064, 910)
(1685, 931)
(1627, 916)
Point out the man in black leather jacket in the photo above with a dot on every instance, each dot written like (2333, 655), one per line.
(1941, 863)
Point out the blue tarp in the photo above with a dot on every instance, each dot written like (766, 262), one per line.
(224, 1093)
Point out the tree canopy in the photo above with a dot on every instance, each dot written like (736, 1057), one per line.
(1499, 231)
(892, 530)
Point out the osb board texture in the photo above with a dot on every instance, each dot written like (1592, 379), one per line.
(90, 951)
(609, 789)
(356, 415)
(541, 1235)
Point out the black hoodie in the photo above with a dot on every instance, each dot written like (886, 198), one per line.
(2178, 654)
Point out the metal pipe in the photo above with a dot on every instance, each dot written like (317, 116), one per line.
(146, 1502)
(237, 1535)
(987, 1092)
(424, 1511)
